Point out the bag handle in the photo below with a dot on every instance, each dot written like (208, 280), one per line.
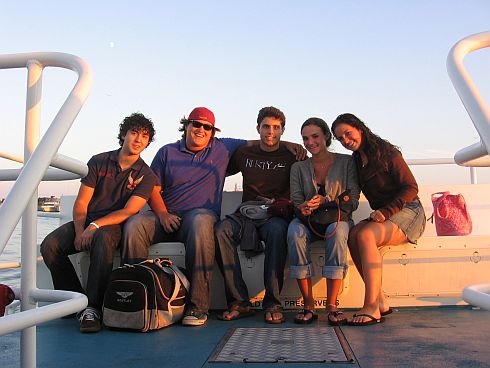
(437, 210)
(435, 199)
(181, 277)
(438, 195)
(178, 273)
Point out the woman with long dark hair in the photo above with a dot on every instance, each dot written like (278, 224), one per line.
(397, 217)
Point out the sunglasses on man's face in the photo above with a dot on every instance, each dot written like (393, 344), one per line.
(197, 124)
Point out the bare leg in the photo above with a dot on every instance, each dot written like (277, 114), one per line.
(372, 236)
(356, 258)
(354, 246)
(307, 292)
(333, 288)
(383, 303)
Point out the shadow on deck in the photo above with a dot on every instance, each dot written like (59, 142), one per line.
(410, 337)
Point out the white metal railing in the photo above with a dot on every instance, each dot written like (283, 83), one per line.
(442, 161)
(22, 198)
(478, 153)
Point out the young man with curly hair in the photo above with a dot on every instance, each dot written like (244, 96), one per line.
(117, 186)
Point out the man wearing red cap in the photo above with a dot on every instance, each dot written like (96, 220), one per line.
(186, 204)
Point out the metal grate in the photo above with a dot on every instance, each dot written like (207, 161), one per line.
(283, 345)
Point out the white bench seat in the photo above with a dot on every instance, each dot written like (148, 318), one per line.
(433, 272)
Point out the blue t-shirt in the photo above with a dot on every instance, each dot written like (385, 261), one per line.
(192, 180)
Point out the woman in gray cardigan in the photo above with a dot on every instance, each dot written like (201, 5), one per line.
(314, 182)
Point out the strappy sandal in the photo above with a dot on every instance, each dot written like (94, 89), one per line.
(304, 313)
(336, 314)
(243, 311)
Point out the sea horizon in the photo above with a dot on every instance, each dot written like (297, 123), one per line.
(12, 251)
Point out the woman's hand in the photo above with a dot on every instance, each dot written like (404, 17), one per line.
(377, 216)
(305, 209)
(316, 201)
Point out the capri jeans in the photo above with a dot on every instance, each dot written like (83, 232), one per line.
(299, 241)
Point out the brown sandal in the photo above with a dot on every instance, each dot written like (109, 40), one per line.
(243, 311)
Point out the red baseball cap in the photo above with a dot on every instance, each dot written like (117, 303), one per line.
(203, 114)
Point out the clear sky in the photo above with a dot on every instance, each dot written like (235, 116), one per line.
(381, 60)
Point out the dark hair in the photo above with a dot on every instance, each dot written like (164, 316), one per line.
(183, 124)
(136, 121)
(271, 112)
(320, 123)
(378, 150)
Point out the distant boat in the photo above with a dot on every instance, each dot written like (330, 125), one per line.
(49, 207)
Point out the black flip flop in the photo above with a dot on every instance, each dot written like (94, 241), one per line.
(386, 312)
(303, 321)
(372, 320)
(336, 314)
(242, 313)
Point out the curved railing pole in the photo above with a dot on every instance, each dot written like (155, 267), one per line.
(64, 302)
(476, 154)
(473, 102)
(29, 217)
(22, 198)
(34, 169)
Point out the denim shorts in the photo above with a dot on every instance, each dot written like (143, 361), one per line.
(411, 220)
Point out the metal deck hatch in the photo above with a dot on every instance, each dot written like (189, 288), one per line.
(323, 345)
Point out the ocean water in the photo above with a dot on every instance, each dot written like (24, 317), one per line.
(11, 253)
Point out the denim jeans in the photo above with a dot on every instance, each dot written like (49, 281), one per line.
(299, 240)
(196, 232)
(59, 244)
(273, 233)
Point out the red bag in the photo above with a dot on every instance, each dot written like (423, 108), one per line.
(450, 214)
(281, 207)
(7, 296)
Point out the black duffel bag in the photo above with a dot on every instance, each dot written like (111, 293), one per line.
(145, 296)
